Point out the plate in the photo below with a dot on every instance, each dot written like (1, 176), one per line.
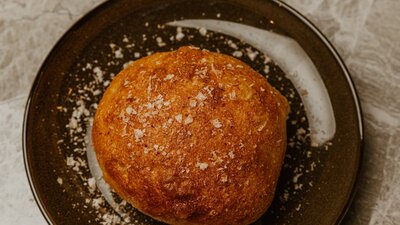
(325, 133)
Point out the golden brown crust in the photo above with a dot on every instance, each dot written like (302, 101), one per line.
(192, 137)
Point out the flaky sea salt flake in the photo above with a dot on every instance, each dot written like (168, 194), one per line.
(231, 154)
(138, 134)
(216, 123)
(118, 53)
(179, 118)
(160, 42)
(92, 184)
(203, 31)
(237, 54)
(202, 166)
(201, 97)
(192, 103)
(224, 178)
(130, 110)
(188, 120)
(179, 35)
(169, 77)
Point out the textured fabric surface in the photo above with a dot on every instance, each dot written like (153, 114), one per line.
(365, 32)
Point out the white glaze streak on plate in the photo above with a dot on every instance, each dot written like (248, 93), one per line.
(296, 64)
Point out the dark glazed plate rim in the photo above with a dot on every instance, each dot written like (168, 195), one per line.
(27, 157)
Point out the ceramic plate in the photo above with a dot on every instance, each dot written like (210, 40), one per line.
(324, 126)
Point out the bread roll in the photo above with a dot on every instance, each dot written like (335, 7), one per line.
(192, 137)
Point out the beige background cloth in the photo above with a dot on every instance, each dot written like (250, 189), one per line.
(365, 32)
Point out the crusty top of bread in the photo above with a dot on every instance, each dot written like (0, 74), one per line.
(192, 137)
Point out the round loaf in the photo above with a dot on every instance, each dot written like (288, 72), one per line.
(192, 137)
